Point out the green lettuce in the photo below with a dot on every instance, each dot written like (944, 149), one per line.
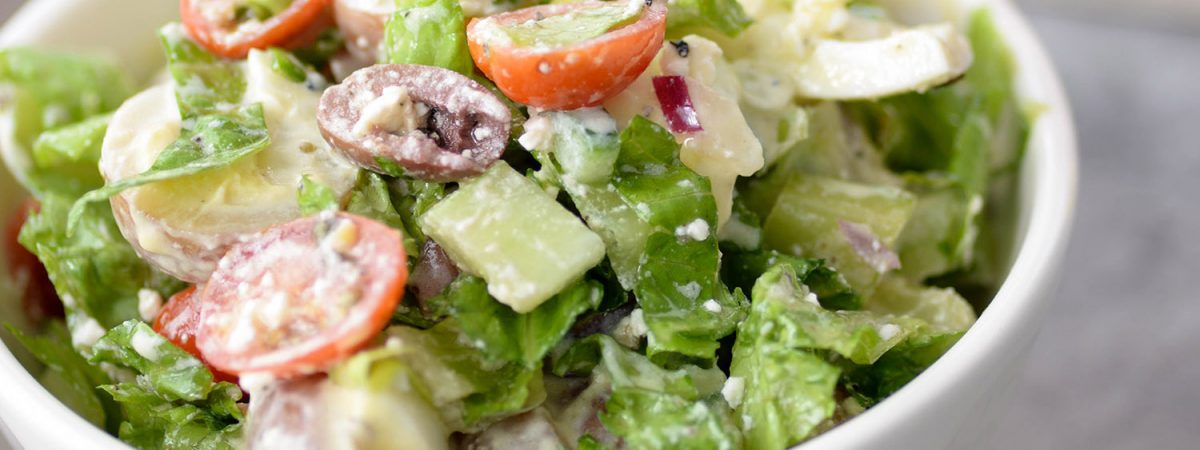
(65, 158)
(698, 16)
(467, 387)
(647, 212)
(964, 135)
(48, 90)
(69, 376)
(53, 89)
(172, 402)
(687, 308)
(509, 337)
(652, 407)
(788, 333)
(95, 270)
(428, 32)
(216, 131)
(742, 269)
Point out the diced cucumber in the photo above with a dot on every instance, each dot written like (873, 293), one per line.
(505, 229)
(380, 405)
(585, 144)
(805, 222)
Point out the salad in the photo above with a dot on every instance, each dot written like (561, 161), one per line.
(430, 224)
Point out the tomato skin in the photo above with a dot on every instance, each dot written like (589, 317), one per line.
(575, 76)
(301, 296)
(39, 300)
(179, 321)
(296, 26)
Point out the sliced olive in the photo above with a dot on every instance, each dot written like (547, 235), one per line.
(433, 273)
(427, 122)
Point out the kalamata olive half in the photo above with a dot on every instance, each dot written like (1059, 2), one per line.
(430, 123)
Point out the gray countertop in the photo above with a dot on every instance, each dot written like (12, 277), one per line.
(1117, 364)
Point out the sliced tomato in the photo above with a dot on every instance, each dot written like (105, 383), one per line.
(214, 24)
(179, 321)
(39, 300)
(565, 75)
(301, 296)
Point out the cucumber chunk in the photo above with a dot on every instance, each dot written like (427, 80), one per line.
(505, 229)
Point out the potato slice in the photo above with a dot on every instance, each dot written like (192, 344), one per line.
(183, 226)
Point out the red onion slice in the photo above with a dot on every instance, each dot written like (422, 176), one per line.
(869, 247)
(676, 104)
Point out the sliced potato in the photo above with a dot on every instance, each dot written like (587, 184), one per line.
(914, 59)
(183, 226)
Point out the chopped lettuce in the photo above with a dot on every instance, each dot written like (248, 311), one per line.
(95, 271)
(64, 159)
(742, 269)
(69, 376)
(652, 407)
(506, 336)
(315, 197)
(216, 132)
(428, 32)
(657, 420)
(871, 384)
(699, 16)
(784, 336)
(687, 308)
(173, 401)
(810, 217)
(47, 90)
(467, 388)
(964, 135)
(54, 89)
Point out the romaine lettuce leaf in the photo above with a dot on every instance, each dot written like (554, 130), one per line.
(467, 388)
(741, 269)
(61, 88)
(95, 271)
(658, 221)
(788, 333)
(428, 32)
(69, 376)
(687, 308)
(699, 16)
(652, 407)
(172, 402)
(809, 216)
(655, 420)
(45, 90)
(65, 158)
(871, 384)
(967, 133)
(506, 336)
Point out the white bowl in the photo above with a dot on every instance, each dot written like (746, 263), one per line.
(948, 406)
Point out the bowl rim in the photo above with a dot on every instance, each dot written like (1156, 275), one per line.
(1051, 172)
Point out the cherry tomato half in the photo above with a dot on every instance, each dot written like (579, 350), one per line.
(215, 25)
(179, 321)
(301, 296)
(570, 76)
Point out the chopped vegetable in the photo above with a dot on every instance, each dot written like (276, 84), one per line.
(426, 122)
(218, 26)
(540, 57)
(672, 92)
(301, 296)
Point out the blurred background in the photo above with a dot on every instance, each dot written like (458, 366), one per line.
(1117, 363)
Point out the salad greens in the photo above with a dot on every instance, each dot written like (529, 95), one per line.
(583, 281)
